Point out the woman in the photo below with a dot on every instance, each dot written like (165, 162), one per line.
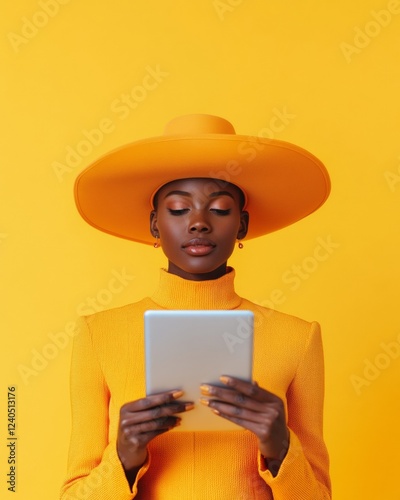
(205, 188)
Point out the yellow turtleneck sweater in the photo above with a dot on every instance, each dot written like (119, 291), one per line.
(108, 370)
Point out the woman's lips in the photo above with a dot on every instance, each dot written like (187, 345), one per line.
(198, 247)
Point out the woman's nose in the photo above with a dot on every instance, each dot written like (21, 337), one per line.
(199, 223)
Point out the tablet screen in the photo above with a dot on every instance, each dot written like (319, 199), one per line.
(187, 348)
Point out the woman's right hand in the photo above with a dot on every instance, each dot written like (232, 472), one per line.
(142, 420)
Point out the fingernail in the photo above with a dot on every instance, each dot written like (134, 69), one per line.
(177, 394)
(205, 388)
(204, 401)
(225, 380)
(189, 406)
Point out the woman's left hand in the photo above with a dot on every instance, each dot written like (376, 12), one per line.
(254, 409)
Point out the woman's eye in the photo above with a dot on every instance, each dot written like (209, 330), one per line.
(179, 211)
(219, 211)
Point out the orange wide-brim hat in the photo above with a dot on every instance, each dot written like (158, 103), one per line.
(282, 183)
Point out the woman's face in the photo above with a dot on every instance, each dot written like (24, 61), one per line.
(198, 222)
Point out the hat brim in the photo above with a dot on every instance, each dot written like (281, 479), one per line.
(283, 183)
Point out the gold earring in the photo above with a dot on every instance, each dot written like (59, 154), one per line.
(156, 243)
(240, 244)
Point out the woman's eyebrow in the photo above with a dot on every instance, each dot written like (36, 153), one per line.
(177, 191)
(221, 193)
(211, 195)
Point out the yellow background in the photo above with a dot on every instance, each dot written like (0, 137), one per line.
(247, 61)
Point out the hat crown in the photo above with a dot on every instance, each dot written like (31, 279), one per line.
(196, 124)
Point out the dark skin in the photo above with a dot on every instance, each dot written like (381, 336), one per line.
(198, 222)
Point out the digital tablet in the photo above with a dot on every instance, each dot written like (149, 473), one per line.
(187, 348)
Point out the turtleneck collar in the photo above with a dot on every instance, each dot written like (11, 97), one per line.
(177, 293)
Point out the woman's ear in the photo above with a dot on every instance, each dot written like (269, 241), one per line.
(153, 224)
(244, 225)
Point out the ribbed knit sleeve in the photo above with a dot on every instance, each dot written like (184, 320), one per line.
(304, 473)
(94, 469)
